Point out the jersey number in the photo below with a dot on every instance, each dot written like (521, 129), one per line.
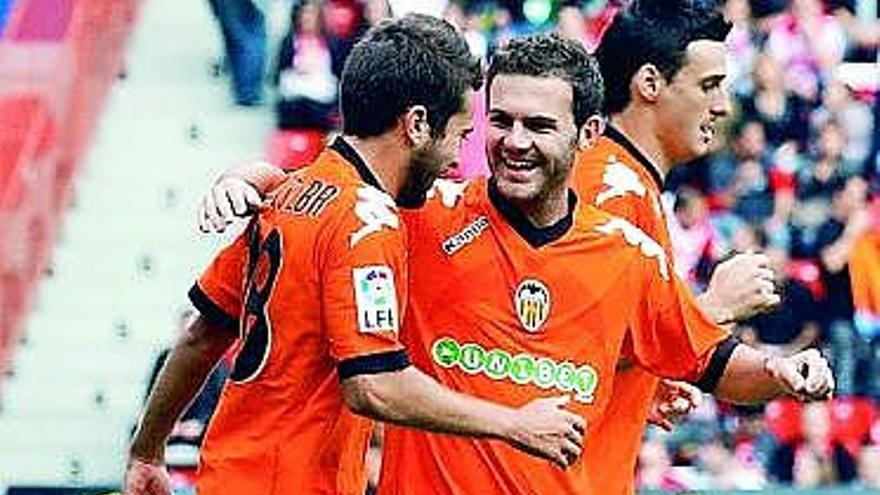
(264, 263)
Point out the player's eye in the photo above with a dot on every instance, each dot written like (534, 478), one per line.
(710, 85)
(541, 125)
(500, 120)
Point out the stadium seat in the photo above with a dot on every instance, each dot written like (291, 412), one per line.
(851, 421)
(783, 420)
(807, 272)
(293, 148)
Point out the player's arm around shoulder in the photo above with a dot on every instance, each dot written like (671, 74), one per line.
(237, 193)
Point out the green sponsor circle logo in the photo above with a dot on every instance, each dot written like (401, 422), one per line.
(498, 364)
(446, 352)
(522, 369)
(472, 358)
(565, 376)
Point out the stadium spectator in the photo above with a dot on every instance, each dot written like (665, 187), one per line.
(808, 43)
(572, 24)
(840, 105)
(693, 238)
(742, 44)
(748, 142)
(869, 468)
(243, 28)
(655, 467)
(834, 242)
(795, 324)
(784, 114)
(307, 84)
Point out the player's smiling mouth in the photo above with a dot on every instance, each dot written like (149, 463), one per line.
(519, 168)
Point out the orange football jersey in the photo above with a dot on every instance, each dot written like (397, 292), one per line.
(504, 311)
(616, 177)
(317, 286)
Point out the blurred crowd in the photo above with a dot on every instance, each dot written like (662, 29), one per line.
(796, 175)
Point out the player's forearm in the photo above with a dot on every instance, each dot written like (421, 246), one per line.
(746, 378)
(262, 175)
(411, 398)
(195, 354)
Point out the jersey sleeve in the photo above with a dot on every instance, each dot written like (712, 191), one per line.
(672, 337)
(364, 289)
(217, 294)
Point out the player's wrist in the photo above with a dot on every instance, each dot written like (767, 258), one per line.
(504, 426)
(771, 365)
(139, 452)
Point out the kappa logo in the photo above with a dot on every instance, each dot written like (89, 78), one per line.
(466, 236)
(532, 302)
(376, 210)
(635, 236)
(619, 180)
(449, 190)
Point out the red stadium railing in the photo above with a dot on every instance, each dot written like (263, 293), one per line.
(58, 59)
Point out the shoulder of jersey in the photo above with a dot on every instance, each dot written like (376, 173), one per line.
(626, 235)
(331, 186)
(610, 174)
(453, 194)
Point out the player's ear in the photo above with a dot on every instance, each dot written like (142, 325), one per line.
(416, 126)
(647, 83)
(591, 131)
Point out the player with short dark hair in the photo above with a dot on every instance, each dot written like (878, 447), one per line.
(313, 292)
(546, 57)
(395, 72)
(664, 65)
(656, 33)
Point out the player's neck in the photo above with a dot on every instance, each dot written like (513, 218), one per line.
(385, 158)
(547, 211)
(640, 128)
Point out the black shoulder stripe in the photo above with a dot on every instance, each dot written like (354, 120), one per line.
(717, 365)
(210, 310)
(372, 364)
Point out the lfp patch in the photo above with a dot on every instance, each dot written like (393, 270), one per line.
(532, 302)
(376, 298)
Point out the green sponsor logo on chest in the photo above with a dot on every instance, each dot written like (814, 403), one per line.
(522, 369)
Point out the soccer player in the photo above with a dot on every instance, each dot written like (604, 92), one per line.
(663, 63)
(519, 290)
(324, 269)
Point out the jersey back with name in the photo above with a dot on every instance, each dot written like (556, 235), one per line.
(316, 285)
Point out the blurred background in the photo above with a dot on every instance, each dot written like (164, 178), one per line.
(115, 115)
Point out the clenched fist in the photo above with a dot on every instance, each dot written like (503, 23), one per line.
(741, 287)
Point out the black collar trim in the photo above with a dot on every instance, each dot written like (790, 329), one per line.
(341, 146)
(622, 140)
(535, 236)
